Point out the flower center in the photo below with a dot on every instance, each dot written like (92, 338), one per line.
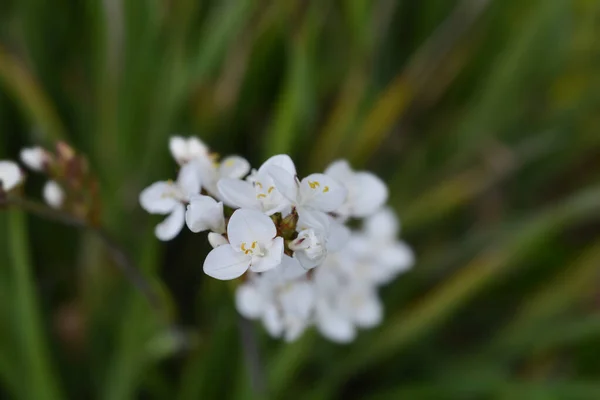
(252, 249)
(174, 192)
(262, 192)
(317, 185)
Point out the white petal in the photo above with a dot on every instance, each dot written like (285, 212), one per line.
(156, 199)
(322, 192)
(178, 148)
(334, 325)
(205, 213)
(299, 299)
(397, 256)
(271, 259)
(249, 301)
(196, 148)
(189, 178)
(184, 150)
(172, 225)
(53, 194)
(216, 239)
(272, 321)
(339, 235)
(235, 167)
(238, 194)
(10, 175)
(34, 158)
(312, 219)
(282, 161)
(370, 196)
(369, 312)
(384, 224)
(247, 226)
(306, 262)
(290, 268)
(340, 170)
(225, 263)
(285, 183)
(295, 329)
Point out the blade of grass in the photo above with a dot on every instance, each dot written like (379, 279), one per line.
(27, 91)
(41, 380)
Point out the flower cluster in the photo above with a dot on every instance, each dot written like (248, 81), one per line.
(70, 185)
(287, 237)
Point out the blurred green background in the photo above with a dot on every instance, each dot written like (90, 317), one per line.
(482, 115)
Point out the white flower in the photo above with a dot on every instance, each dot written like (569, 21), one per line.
(379, 255)
(231, 167)
(185, 150)
(366, 192)
(316, 192)
(167, 197)
(10, 175)
(258, 192)
(283, 298)
(53, 194)
(204, 213)
(35, 158)
(343, 301)
(252, 245)
(318, 234)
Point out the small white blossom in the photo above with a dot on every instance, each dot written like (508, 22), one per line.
(282, 298)
(379, 253)
(35, 158)
(231, 167)
(53, 194)
(253, 245)
(366, 192)
(204, 213)
(258, 191)
(10, 175)
(167, 197)
(344, 301)
(185, 150)
(316, 192)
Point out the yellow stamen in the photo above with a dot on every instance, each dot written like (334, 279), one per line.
(259, 184)
(261, 196)
(271, 188)
(313, 184)
(326, 189)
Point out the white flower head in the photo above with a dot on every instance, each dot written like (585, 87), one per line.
(167, 197)
(10, 175)
(35, 158)
(366, 192)
(185, 150)
(253, 244)
(53, 194)
(258, 191)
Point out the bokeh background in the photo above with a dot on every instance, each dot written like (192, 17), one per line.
(483, 116)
